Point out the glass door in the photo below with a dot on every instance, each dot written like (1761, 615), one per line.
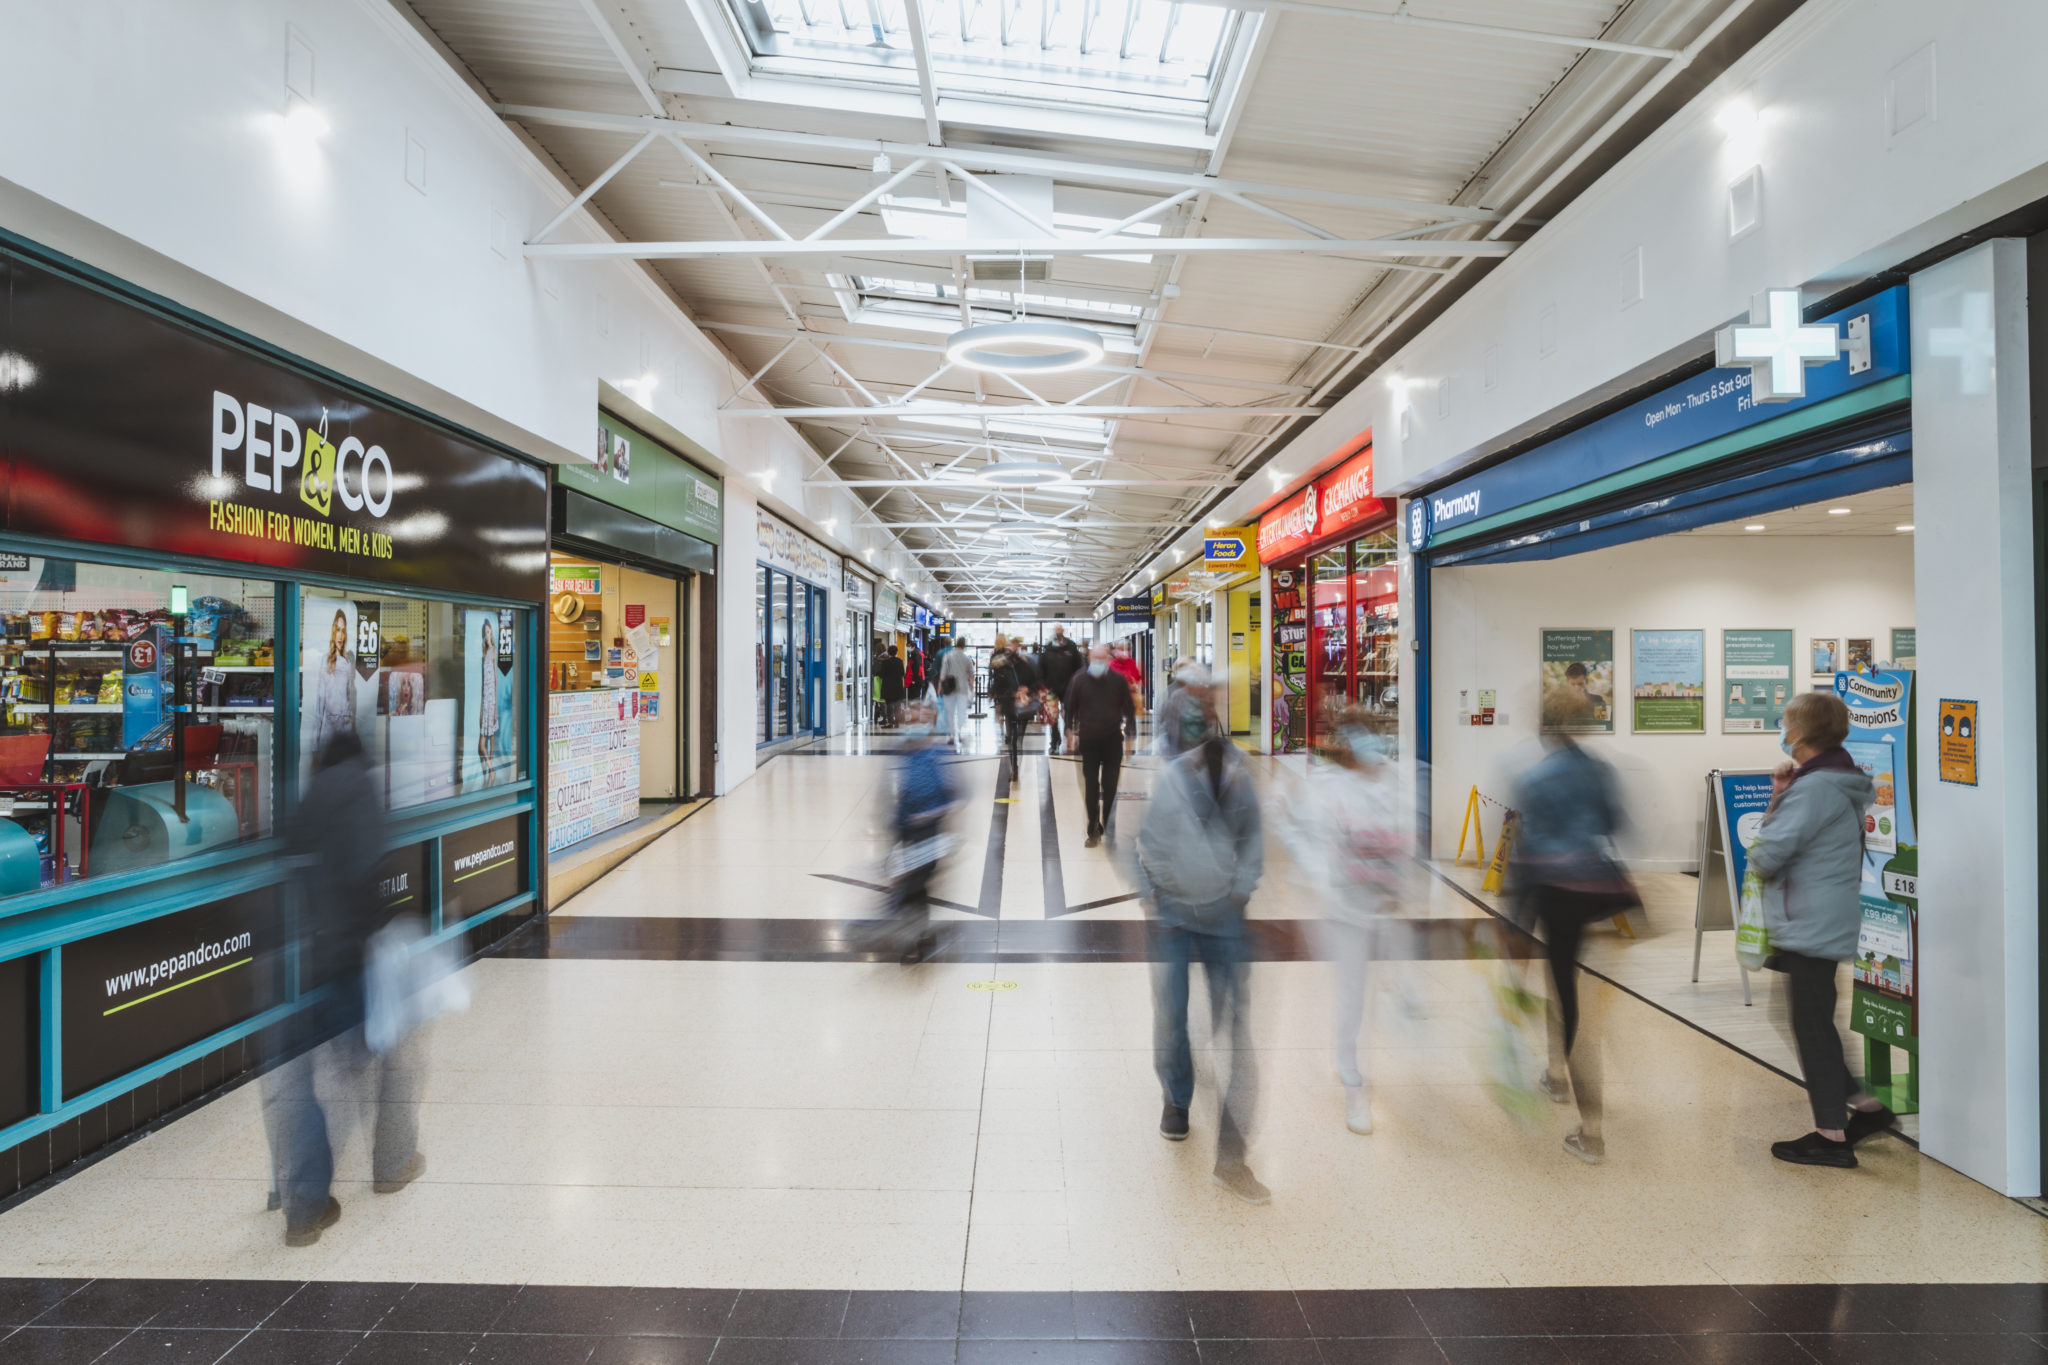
(1329, 648)
(821, 714)
(1376, 618)
(800, 635)
(779, 651)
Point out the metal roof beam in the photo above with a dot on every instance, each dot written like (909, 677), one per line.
(1014, 246)
(1403, 15)
(1072, 169)
(939, 409)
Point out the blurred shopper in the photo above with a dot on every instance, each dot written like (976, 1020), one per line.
(1124, 666)
(1187, 715)
(1200, 853)
(954, 688)
(925, 797)
(1346, 833)
(1810, 856)
(1060, 661)
(913, 673)
(1103, 719)
(1012, 679)
(336, 839)
(889, 676)
(1564, 877)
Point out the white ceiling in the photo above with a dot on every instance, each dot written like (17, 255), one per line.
(1877, 513)
(1321, 102)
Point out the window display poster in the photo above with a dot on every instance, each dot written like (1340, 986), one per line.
(1579, 664)
(1827, 657)
(1862, 657)
(335, 694)
(1756, 679)
(1905, 647)
(489, 656)
(1668, 677)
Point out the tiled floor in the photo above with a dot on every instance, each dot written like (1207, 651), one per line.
(696, 1082)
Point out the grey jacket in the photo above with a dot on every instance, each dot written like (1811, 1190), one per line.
(1200, 852)
(1810, 856)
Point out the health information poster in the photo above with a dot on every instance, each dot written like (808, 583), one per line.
(1668, 673)
(1756, 679)
(1579, 665)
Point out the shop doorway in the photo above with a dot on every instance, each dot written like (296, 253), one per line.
(1686, 647)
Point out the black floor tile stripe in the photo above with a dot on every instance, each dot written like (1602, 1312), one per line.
(663, 939)
(245, 1322)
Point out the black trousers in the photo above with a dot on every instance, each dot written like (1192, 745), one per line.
(1102, 760)
(1811, 983)
(1564, 925)
(1015, 723)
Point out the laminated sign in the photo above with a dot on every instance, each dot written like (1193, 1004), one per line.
(1958, 741)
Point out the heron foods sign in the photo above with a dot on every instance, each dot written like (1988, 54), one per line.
(123, 426)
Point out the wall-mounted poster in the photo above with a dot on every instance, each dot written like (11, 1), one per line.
(1827, 657)
(1756, 679)
(490, 739)
(338, 683)
(1668, 675)
(1862, 658)
(1578, 667)
(1905, 647)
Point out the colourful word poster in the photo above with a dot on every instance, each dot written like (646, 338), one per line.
(1668, 675)
(1578, 681)
(1756, 679)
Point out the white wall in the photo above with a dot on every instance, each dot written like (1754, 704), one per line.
(157, 154)
(1485, 624)
(1979, 879)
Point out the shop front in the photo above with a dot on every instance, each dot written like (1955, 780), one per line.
(1329, 553)
(633, 557)
(855, 667)
(1661, 582)
(792, 623)
(217, 564)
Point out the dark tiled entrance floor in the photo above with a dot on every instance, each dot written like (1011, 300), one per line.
(267, 1322)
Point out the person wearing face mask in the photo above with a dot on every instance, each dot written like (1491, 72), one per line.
(1103, 719)
(1345, 831)
(1809, 854)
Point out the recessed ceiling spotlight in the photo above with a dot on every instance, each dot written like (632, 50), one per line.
(1838, 511)
(1027, 347)
(1907, 527)
(1754, 526)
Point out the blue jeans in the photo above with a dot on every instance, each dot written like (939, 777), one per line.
(302, 1150)
(1223, 956)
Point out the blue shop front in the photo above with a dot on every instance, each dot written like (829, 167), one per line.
(215, 558)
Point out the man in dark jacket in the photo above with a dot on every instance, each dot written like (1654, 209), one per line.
(1012, 679)
(1059, 663)
(889, 672)
(336, 839)
(1100, 715)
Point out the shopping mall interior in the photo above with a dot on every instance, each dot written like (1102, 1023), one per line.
(1174, 682)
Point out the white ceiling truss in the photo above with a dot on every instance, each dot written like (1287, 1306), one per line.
(1345, 169)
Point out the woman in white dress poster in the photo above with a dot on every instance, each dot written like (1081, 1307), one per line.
(334, 685)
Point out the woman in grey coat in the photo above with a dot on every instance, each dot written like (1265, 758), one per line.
(1810, 856)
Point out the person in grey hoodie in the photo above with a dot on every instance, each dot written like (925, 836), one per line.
(1199, 856)
(1809, 854)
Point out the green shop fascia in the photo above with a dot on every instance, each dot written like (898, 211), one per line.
(215, 558)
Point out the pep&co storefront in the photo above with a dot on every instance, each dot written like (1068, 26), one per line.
(1329, 551)
(214, 560)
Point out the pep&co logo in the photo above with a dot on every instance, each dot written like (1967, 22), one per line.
(271, 445)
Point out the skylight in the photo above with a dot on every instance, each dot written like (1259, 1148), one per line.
(1154, 54)
(908, 216)
(922, 298)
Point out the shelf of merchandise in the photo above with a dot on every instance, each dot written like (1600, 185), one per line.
(243, 668)
(86, 756)
(236, 710)
(100, 708)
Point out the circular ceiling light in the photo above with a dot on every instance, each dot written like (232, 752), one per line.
(1022, 473)
(1027, 347)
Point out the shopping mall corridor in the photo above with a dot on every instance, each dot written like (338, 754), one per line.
(692, 1120)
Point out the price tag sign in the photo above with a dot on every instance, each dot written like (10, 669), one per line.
(212, 677)
(369, 647)
(1902, 884)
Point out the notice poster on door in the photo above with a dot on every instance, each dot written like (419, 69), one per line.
(1756, 679)
(1668, 678)
(1578, 681)
(489, 658)
(1957, 746)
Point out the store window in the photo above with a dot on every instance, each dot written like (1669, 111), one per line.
(1376, 620)
(1329, 650)
(764, 699)
(94, 767)
(431, 689)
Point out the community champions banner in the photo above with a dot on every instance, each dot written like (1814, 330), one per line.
(1579, 664)
(1884, 1000)
(1668, 675)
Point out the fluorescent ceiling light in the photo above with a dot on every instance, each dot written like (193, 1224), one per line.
(1755, 526)
(1838, 511)
(1022, 473)
(1907, 527)
(1032, 346)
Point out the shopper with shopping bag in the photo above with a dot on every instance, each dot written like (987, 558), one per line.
(1808, 857)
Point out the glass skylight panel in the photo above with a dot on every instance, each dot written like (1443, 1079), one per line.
(1134, 53)
(910, 216)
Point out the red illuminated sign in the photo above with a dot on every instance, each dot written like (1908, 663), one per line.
(1337, 502)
